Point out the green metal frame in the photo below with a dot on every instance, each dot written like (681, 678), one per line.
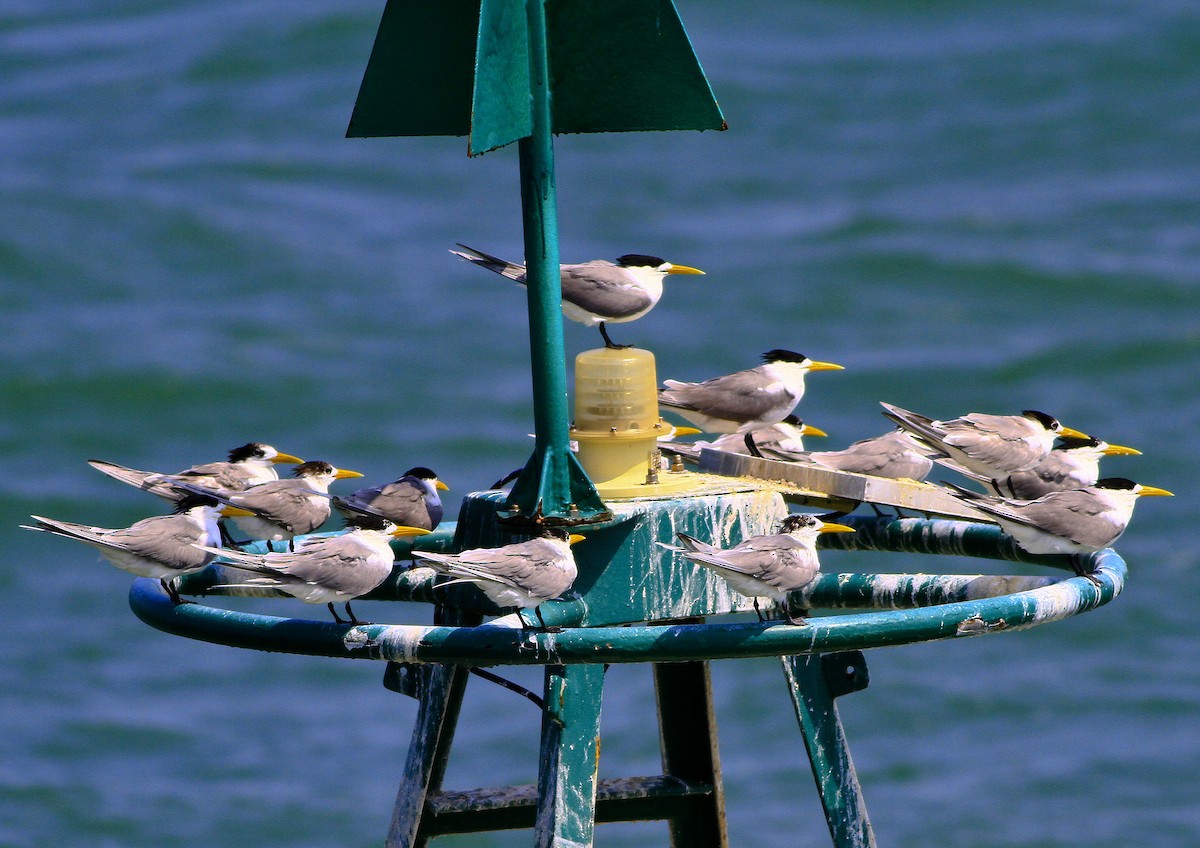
(822, 660)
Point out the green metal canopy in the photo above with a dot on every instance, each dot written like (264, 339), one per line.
(461, 67)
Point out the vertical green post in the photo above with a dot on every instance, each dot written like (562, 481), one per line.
(553, 483)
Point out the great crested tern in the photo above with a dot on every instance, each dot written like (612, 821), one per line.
(992, 445)
(598, 292)
(745, 400)
(282, 509)
(161, 547)
(247, 466)
(411, 501)
(768, 566)
(522, 575)
(328, 569)
(1072, 521)
(1072, 464)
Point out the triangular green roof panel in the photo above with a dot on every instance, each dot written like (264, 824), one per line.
(500, 108)
(450, 67)
(623, 65)
(421, 72)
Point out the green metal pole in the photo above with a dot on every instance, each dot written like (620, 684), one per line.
(553, 484)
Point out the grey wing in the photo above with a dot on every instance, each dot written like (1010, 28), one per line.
(341, 563)
(402, 503)
(1072, 515)
(223, 475)
(734, 397)
(169, 539)
(1002, 444)
(606, 295)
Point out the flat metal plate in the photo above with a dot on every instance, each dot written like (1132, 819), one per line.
(816, 485)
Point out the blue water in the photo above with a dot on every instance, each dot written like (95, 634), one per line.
(972, 206)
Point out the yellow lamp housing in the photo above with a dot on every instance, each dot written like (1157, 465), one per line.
(617, 424)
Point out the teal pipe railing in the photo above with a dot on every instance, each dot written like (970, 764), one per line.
(917, 608)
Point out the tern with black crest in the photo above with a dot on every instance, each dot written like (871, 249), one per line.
(162, 547)
(248, 465)
(412, 500)
(1072, 464)
(328, 569)
(992, 445)
(598, 292)
(282, 509)
(522, 575)
(745, 400)
(1072, 521)
(769, 566)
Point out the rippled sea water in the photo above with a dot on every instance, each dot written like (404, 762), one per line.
(972, 206)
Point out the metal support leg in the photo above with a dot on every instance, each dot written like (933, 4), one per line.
(570, 757)
(440, 693)
(814, 681)
(687, 729)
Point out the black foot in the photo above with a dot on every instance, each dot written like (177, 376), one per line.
(354, 619)
(797, 617)
(545, 627)
(608, 343)
(336, 617)
(172, 592)
(753, 448)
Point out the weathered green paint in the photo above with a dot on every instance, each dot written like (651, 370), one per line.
(500, 111)
(454, 67)
(814, 680)
(501, 643)
(570, 756)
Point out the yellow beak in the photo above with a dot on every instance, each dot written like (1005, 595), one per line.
(1072, 433)
(1121, 450)
(826, 366)
(682, 269)
(685, 431)
(1154, 490)
(810, 430)
(441, 486)
(287, 458)
(345, 473)
(404, 530)
(575, 537)
(234, 512)
(835, 528)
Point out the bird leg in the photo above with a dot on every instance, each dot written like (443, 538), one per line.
(333, 612)
(1079, 566)
(354, 619)
(793, 617)
(753, 448)
(227, 539)
(545, 627)
(172, 592)
(758, 611)
(608, 343)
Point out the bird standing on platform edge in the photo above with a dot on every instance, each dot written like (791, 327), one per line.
(328, 569)
(522, 575)
(768, 566)
(162, 547)
(1072, 521)
(282, 509)
(598, 292)
(745, 400)
(411, 501)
